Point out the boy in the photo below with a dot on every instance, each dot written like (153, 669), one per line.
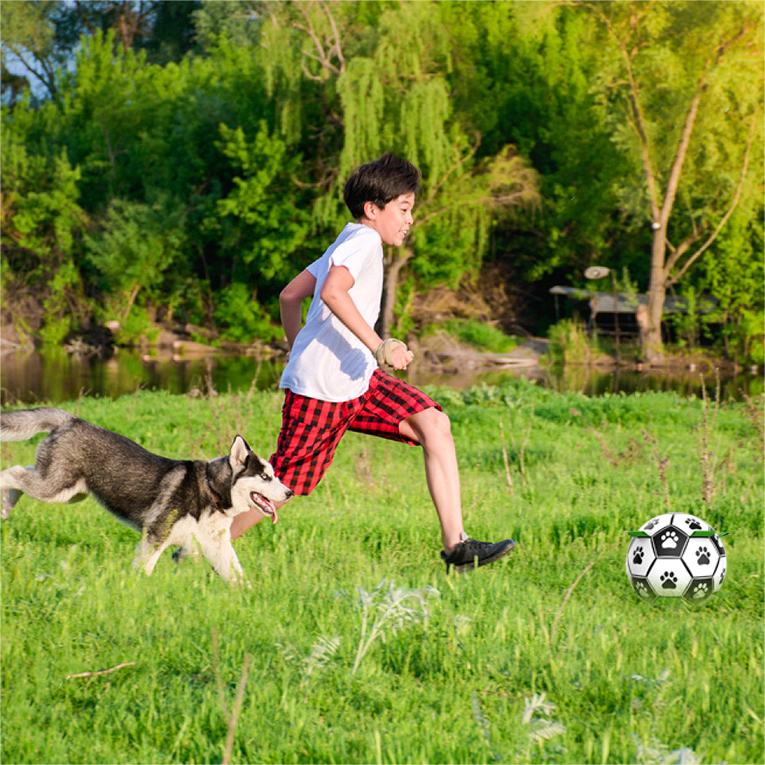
(333, 379)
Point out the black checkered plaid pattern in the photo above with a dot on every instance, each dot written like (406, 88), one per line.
(312, 429)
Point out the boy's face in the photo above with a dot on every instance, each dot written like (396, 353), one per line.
(393, 221)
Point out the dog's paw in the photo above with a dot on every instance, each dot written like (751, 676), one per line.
(180, 554)
(8, 500)
(238, 579)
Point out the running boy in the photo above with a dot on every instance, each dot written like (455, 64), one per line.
(334, 381)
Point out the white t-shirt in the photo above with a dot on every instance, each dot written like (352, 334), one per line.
(328, 361)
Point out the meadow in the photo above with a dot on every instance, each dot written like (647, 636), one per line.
(352, 645)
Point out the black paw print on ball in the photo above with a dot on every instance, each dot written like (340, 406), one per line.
(637, 556)
(693, 523)
(668, 581)
(702, 556)
(669, 539)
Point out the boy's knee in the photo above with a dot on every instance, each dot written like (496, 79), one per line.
(433, 424)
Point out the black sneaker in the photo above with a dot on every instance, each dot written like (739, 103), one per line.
(470, 553)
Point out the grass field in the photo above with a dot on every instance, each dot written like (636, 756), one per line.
(353, 646)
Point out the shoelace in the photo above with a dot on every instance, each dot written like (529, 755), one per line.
(472, 545)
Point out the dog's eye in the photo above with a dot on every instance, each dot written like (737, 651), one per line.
(266, 477)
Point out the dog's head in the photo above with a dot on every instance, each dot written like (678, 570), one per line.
(253, 483)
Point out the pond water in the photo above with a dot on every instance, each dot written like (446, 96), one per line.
(56, 376)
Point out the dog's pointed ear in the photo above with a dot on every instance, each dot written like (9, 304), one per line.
(239, 451)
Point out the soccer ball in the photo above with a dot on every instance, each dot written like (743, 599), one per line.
(676, 555)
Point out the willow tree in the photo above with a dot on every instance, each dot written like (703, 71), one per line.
(387, 87)
(682, 83)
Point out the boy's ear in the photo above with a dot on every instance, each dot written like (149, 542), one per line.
(371, 210)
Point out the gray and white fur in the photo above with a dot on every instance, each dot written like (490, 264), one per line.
(188, 503)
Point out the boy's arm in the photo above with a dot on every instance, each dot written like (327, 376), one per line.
(334, 293)
(290, 301)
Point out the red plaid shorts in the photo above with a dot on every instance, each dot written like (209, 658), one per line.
(312, 429)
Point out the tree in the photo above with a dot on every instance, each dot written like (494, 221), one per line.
(683, 90)
(29, 46)
(132, 251)
(386, 86)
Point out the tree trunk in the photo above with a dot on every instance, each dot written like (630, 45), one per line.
(652, 346)
(394, 262)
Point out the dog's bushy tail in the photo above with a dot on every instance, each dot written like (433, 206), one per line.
(21, 425)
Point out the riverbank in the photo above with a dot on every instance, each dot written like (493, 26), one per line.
(187, 360)
(54, 375)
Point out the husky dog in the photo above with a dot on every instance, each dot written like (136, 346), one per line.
(171, 502)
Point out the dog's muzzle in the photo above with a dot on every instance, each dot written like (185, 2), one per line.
(265, 505)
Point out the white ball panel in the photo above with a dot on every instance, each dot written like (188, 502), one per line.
(669, 578)
(701, 557)
(657, 523)
(690, 523)
(640, 556)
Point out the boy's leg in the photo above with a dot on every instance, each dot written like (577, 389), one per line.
(245, 521)
(432, 429)
(310, 432)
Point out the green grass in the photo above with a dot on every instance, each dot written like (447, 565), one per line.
(480, 335)
(630, 681)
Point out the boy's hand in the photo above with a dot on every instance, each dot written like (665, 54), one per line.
(393, 353)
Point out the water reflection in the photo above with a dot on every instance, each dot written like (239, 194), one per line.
(685, 382)
(56, 376)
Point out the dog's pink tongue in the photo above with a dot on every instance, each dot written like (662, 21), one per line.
(275, 516)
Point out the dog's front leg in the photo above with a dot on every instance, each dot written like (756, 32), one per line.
(148, 553)
(219, 551)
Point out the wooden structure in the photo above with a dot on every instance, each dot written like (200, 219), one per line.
(617, 313)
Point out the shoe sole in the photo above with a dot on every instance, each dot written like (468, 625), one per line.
(463, 567)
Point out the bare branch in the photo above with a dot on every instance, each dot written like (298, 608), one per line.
(45, 78)
(682, 151)
(683, 247)
(307, 72)
(100, 672)
(690, 121)
(637, 110)
(734, 203)
(336, 47)
(323, 57)
(236, 709)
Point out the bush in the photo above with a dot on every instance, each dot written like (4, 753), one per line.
(241, 318)
(570, 344)
(484, 337)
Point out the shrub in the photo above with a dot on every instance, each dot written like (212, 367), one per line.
(241, 318)
(484, 337)
(570, 344)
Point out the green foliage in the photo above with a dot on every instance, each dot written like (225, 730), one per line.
(44, 215)
(60, 313)
(228, 144)
(734, 275)
(136, 326)
(479, 334)
(135, 247)
(687, 323)
(241, 318)
(570, 343)
(257, 219)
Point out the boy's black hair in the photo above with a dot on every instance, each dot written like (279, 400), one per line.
(380, 181)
